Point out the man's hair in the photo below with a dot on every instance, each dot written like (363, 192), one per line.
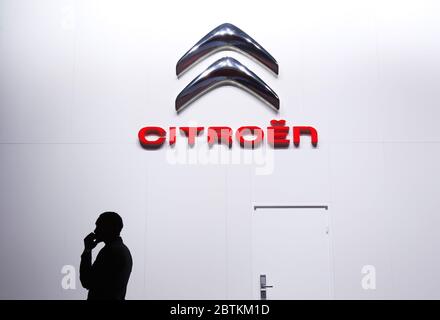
(112, 221)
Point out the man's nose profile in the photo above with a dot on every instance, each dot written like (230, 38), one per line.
(107, 277)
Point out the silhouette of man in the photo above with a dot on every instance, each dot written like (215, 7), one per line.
(107, 277)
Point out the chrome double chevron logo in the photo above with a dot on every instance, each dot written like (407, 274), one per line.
(227, 70)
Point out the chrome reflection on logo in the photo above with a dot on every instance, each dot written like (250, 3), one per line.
(226, 71)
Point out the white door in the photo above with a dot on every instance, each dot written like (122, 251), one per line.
(291, 252)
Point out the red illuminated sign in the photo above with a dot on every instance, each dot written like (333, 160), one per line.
(278, 135)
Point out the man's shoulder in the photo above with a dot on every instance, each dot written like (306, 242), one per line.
(119, 249)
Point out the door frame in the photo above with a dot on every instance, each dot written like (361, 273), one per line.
(300, 205)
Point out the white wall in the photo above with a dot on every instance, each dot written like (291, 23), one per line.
(79, 79)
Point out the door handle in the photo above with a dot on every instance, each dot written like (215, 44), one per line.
(263, 287)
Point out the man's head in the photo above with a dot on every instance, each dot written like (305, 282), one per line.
(108, 226)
